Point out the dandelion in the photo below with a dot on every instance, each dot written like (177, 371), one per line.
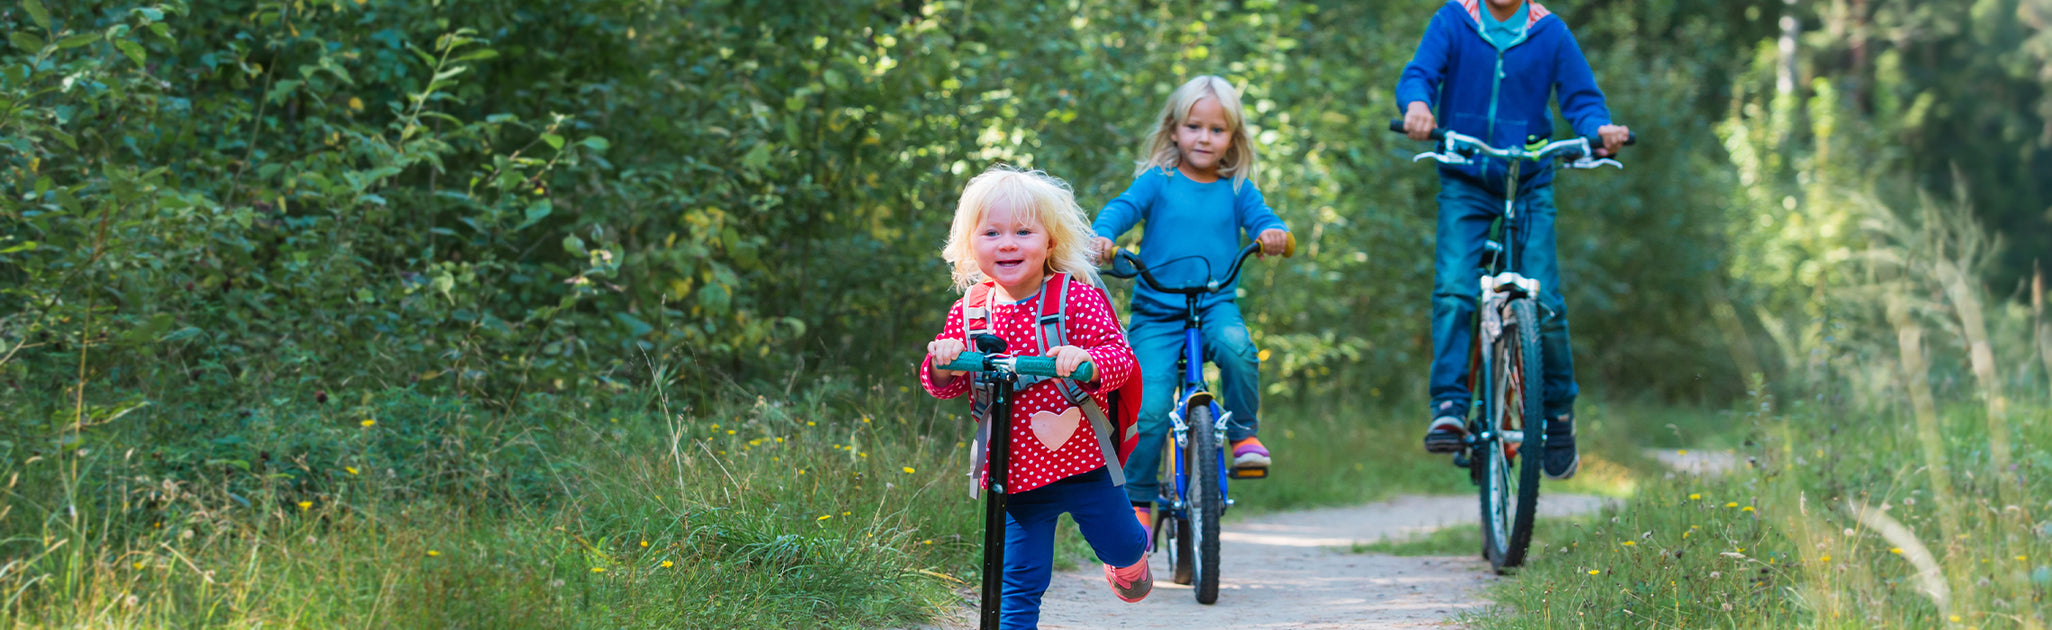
(846, 513)
(2021, 559)
(355, 103)
(801, 471)
(716, 426)
(1895, 550)
(644, 544)
(1686, 534)
(909, 470)
(1629, 543)
(1594, 572)
(780, 440)
(1731, 504)
(367, 423)
(808, 423)
(1824, 559)
(928, 541)
(303, 505)
(865, 419)
(139, 565)
(1682, 452)
(598, 569)
(1955, 618)
(1695, 496)
(432, 553)
(1746, 509)
(823, 517)
(864, 454)
(351, 469)
(730, 431)
(667, 564)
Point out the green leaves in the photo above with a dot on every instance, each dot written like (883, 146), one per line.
(37, 13)
(25, 41)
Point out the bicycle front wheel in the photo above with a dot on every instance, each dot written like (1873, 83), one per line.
(1517, 425)
(1206, 503)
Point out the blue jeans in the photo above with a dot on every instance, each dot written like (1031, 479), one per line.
(1156, 333)
(1100, 512)
(1465, 211)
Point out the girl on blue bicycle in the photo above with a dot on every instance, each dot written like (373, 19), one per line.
(1196, 190)
(1018, 240)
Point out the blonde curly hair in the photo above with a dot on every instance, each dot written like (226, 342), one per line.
(1160, 151)
(1048, 203)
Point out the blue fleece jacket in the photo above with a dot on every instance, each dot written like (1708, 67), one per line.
(1193, 230)
(1501, 94)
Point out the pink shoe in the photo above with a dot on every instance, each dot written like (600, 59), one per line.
(1133, 583)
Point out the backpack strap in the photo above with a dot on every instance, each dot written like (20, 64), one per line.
(1054, 331)
(976, 319)
(1052, 318)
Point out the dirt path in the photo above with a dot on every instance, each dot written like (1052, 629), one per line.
(1293, 570)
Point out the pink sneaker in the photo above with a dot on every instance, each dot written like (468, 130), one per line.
(1133, 583)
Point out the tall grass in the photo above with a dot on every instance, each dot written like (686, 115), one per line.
(1895, 497)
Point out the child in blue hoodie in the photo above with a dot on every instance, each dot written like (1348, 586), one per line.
(1487, 68)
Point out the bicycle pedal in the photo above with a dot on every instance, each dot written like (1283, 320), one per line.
(1252, 472)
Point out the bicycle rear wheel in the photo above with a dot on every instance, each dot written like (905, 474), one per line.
(1206, 503)
(1510, 484)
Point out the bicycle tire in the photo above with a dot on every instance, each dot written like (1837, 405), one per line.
(1510, 506)
(1207, 502)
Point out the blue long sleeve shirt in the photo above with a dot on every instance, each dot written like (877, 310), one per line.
(1193, 233)
(1501, 93)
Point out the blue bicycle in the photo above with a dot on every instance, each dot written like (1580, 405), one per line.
(1189, 517)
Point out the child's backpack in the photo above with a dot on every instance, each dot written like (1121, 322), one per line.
(1120, 423)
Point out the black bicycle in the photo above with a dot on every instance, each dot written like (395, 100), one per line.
(1505, 356)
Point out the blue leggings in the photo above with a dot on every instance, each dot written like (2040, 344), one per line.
(1101, 512)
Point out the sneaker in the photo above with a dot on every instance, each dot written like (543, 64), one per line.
(1133, 583)
(1446, 435)
(1562, 461)
(1249, 453)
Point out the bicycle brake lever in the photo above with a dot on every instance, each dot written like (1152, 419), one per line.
(1455, 159)
(1586, 162)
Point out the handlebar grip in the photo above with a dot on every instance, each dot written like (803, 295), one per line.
(972, 361)
(1397, 125)
(1045, 366)
(1290, 247)
(968, 361)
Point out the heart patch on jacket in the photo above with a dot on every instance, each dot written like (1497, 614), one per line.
(1053, 429)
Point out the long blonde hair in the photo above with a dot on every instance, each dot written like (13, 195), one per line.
(1047, 203)
(1160, 149)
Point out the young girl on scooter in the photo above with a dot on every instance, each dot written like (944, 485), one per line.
(1019, 239)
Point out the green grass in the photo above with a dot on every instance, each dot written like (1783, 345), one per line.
(836, 505)
(1779, 545)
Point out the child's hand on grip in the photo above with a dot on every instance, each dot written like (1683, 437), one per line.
(1068, 358)
(943, 352)
(1273, 241)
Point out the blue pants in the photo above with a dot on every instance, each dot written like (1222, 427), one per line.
(1156, 333)
(1100, 511)
(1465, 211)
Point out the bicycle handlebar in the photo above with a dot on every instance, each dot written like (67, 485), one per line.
(1566, 149)
(973, 361)
(1232, 273)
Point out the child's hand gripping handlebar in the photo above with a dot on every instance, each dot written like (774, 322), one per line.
(972, 361)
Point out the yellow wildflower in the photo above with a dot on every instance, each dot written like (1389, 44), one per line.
(1731, 505)
(351, 469)
(432, 553)
(1594, 572)
(823, 517)
(644, 544)
(303, 505)
(1693, 496)
(1895, 550)
(1746, 509)
(909, 470)
(369, 422)
(1629, 543)
(598, 569)
(1824, 559)
(667, 564)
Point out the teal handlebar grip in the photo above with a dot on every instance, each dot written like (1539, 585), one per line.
(1045, 366)
(970, 361)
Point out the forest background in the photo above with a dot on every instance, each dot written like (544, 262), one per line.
(350, 266)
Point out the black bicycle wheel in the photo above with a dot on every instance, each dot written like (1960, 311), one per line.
(1207, 501)
(1510, 492)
